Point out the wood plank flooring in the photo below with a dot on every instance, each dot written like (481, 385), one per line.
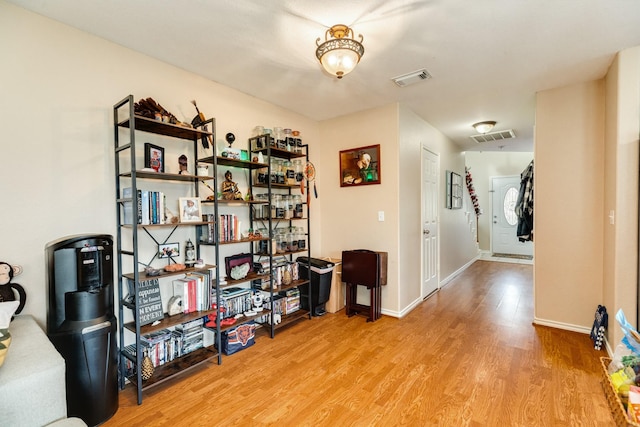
(467, 356)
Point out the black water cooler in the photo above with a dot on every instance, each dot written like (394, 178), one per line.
(81, 323)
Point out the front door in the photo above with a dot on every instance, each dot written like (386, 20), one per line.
(430, 246)
(504, 221)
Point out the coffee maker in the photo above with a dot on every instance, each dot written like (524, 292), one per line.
(81, 323)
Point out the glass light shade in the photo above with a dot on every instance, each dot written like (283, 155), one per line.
(340, 62)
(484, 127)
(339, 54)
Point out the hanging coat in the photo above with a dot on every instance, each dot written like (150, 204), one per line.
(524, 205)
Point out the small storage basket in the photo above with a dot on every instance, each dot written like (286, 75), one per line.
(617, 409)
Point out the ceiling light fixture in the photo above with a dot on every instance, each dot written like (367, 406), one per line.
(339, 54)
(484, 127)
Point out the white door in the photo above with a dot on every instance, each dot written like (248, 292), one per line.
(504, 221)
(430, 246)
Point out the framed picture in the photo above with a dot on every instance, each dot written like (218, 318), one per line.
(360, 166)
(153, 157)
(190, 209)
(168, 250)
(454, 190)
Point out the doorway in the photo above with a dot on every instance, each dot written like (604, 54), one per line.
(430, 242)
(504, 221)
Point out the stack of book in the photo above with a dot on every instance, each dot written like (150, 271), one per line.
(292, 300)
(195, 291)
(208, 231)
(229, 228)
(235, 301)
(192, 334)
(279, 304)
(150, 207)
(161, 347)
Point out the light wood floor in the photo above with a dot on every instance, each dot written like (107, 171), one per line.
(467, 356)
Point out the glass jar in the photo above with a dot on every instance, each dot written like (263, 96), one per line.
(289, 141)
(275, 165)
(298, 171)
(290, 173)
(278, 134)
(298, 211)
(262, 246)
(293, 239)
(297, 141)
(279, 203)
(286, 205)
(261, 176)
(291, 206)
(281, 242)
(280, 172)
(302, 241)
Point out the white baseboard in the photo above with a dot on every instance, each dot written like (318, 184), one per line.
(453, 275)
(561, 325)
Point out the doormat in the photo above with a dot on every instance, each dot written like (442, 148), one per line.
(514, 256)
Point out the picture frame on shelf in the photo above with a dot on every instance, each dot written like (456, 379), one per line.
(153, 157)
(190, 209)
(360, 166)
(168, 250)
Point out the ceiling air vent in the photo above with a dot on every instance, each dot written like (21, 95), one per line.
(411, 78)
(493, 136)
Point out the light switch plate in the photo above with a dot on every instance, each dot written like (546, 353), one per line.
(380, 216)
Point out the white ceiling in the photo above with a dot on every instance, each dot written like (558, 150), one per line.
(488, 58)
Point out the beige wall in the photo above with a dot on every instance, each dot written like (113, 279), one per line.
(621, 189)
(457, 242)
(568, 204)
(58, 89)
(485, 165)
(350, 214)
(58, 127)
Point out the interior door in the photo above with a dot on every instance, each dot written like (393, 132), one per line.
(430, 245)
(504, 221)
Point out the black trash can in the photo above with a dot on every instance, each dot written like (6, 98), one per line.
(320, 284)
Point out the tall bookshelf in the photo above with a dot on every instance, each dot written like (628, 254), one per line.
(129, 128)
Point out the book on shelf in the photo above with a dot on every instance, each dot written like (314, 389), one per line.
(203, 301)
(229, 228)
(192, 333)
(128, 211)
(208, 231)
(194, 289)
(151, 207)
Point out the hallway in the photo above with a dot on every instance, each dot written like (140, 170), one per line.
(468, 356)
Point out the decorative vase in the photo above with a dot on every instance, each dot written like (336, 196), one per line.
(5, 341)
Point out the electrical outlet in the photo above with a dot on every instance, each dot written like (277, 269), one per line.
(380, 216)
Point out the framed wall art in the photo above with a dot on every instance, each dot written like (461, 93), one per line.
(360, 166)
(153, 157)
(454, 190)
(190, 209)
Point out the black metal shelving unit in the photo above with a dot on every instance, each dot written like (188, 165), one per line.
(266, 145)
(127, 248)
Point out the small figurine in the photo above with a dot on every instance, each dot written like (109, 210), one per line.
(182, 161)
(229, 188)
